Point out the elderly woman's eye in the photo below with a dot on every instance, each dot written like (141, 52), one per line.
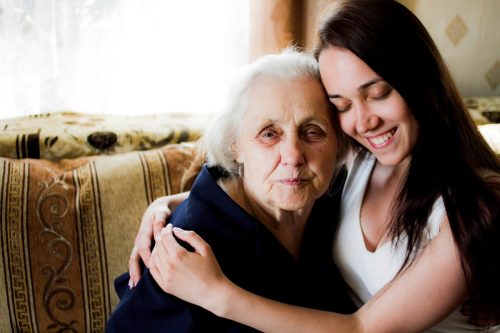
(267, 134)
(313, 133)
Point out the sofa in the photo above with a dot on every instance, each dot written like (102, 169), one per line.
(73, 189)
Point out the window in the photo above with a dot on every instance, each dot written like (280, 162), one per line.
(127, 57)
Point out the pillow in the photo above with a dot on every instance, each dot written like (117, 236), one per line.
(54, 136)
(491, 133)
(67, 230)
(484, 110)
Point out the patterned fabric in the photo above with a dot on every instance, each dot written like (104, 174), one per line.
(55, 136)
(484, 110)
(67, 229)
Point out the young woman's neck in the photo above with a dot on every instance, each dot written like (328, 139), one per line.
(379, 198)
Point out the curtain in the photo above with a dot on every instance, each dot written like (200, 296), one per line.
(276, 24)
(119, 56)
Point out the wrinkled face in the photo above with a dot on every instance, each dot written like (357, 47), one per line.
(370, 110)
(287, 143)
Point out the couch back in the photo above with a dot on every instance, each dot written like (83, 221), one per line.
(67, 229)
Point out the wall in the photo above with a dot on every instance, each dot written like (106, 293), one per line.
(467, 32)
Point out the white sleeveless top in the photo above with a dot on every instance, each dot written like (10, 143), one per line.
(367, 272)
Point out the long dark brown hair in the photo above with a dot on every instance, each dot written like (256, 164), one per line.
(450, 160)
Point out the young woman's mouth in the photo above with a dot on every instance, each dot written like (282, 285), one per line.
(383, 139)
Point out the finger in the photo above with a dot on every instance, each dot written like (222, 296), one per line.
(168, 240)
(142, 245)
(159, 219)
(159, 256)
(155, 260)
(155, 273)
(145, 254)
(134, 268)
(158, 277)
(193, 239)
(160, 249)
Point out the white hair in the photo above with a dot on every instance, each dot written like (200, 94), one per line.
(221, 137)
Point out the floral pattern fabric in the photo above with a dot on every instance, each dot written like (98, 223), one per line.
(63, 135)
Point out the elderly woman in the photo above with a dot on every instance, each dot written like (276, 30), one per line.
(259, 201)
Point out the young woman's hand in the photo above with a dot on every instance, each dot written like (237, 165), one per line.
(153, 220)
(195, 277)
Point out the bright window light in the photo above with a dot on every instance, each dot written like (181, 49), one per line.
(125, 57)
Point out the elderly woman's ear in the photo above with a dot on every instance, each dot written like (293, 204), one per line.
(236, 153)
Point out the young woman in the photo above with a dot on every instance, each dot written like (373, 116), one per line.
(419, 221)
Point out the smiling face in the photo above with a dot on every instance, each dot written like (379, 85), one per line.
(287, 143)
(370, 110)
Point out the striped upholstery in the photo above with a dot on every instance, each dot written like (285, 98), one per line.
(67, 229)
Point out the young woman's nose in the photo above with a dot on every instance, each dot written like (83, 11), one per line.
(366, 120)
(292, 151)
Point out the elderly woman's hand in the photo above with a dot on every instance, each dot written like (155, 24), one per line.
(195, 277)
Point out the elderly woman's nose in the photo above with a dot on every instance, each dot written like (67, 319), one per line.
(292, 151)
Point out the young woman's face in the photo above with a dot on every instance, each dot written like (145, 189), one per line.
(370, 110)
(287, 143)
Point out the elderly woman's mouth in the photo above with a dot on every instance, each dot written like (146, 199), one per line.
(293, 181)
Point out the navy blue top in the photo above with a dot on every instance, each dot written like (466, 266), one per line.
(248, 254)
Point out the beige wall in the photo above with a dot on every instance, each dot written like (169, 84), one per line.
(467, 32)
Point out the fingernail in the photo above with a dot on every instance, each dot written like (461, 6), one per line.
(131, 284)
(177, 229)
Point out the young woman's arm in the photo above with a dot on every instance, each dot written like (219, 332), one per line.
(153, 220)
(424, 294)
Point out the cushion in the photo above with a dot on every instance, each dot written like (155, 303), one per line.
(67, 229)
(491, 133)
(484, 110)
(55, 136)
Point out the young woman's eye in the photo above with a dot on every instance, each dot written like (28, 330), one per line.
(341, 107)
(345, 108)
(383, 95)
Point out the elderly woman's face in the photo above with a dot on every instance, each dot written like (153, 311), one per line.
(287, 143)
